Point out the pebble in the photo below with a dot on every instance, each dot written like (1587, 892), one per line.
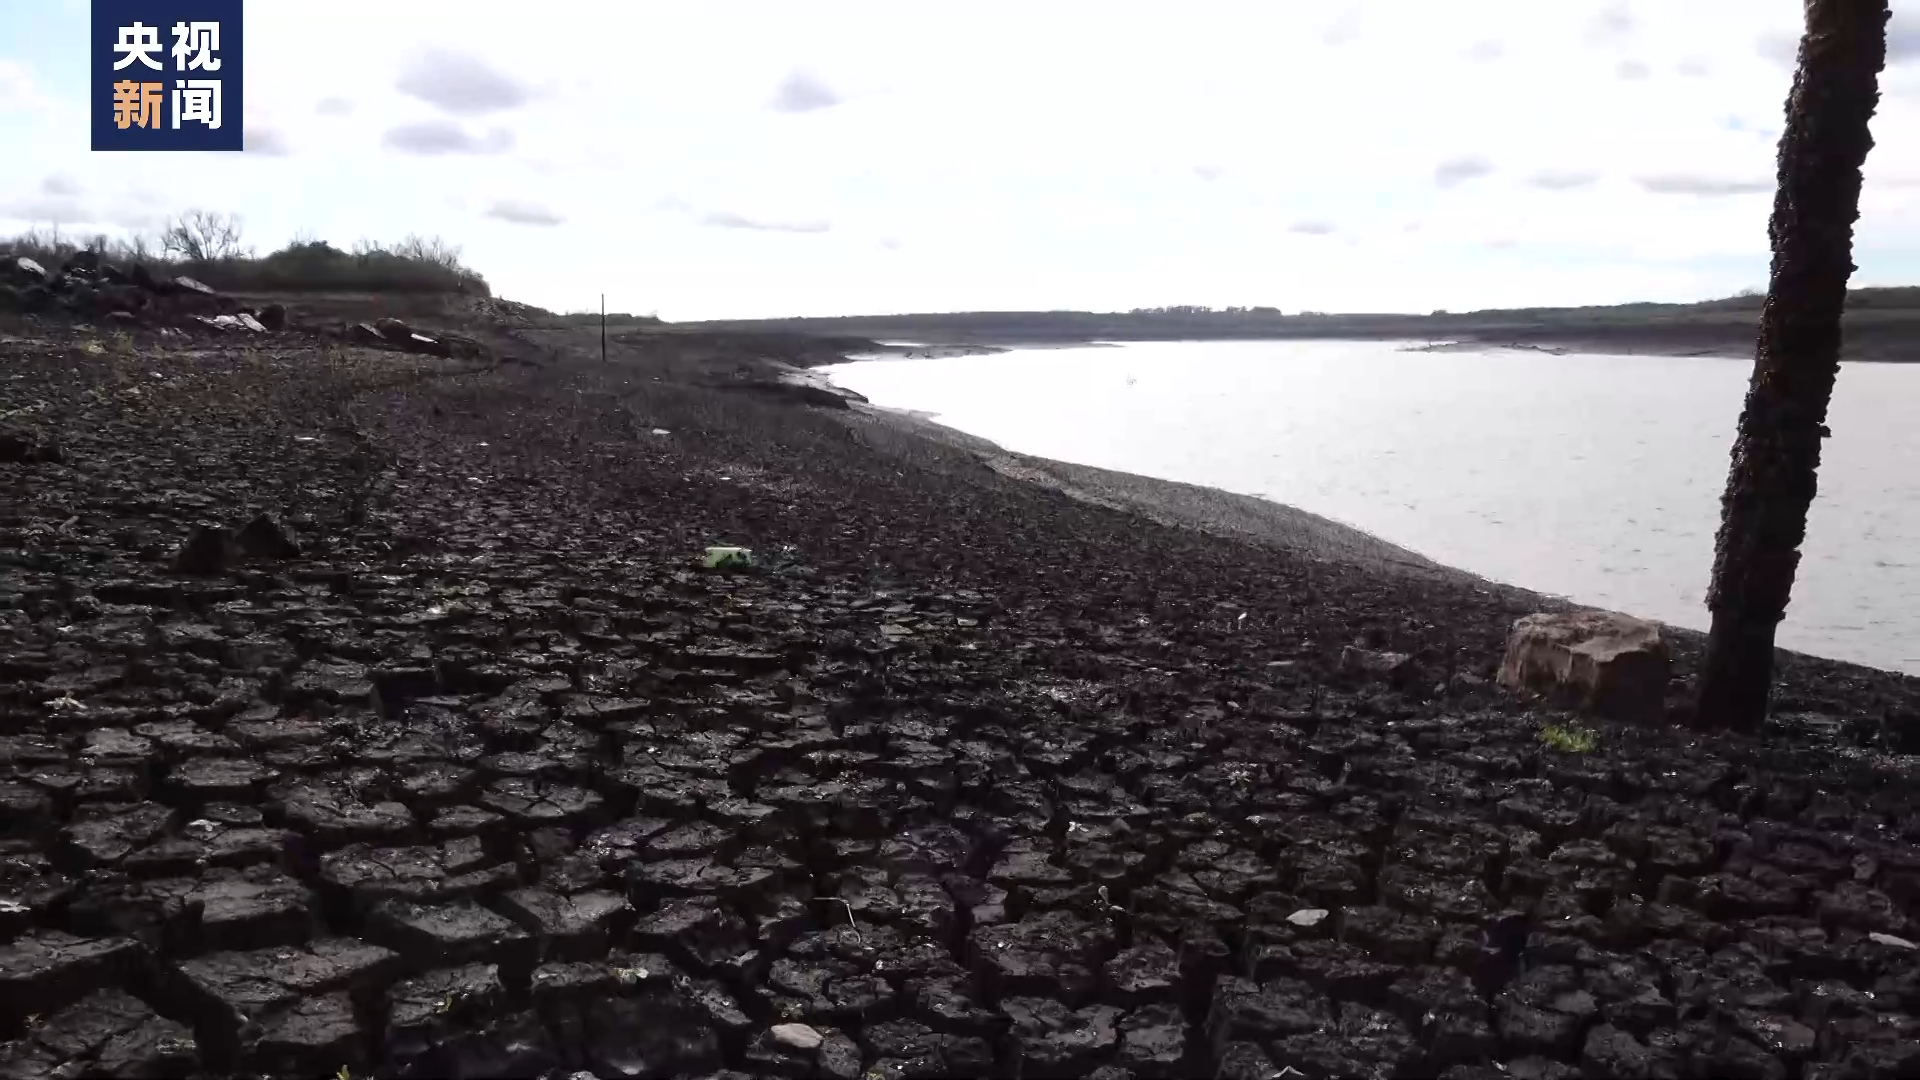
(797, 1036)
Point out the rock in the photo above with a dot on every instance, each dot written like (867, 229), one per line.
(264, 538)
(1600, 661)
(421, 343)
(187, 284)
(796, 1036)
(208, 549)
(26, 271)
(1308, 917)
(1375, 664)
(273, 317)
(242, 321)
(392, 330)
(82, 297)
(121, 298)
(462, 346)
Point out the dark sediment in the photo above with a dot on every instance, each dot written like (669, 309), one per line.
(366, 710)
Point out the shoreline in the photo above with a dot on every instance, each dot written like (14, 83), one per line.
(1250, 518)
(1211, 510)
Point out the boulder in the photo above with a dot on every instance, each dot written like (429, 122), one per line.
(26, 272)
(1601, 662)
(393, 330)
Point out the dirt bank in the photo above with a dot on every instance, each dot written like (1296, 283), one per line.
(463, 768)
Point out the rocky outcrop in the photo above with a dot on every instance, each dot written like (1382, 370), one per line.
(1598, 661)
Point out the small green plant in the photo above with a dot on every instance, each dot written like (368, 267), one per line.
(1568, 739)
(343, 1073)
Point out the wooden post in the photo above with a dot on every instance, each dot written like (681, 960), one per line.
(603, 328)
(1772, 479)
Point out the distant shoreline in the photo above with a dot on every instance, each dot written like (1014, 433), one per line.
(1882, 325)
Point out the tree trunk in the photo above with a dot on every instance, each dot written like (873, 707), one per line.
(1771, 484)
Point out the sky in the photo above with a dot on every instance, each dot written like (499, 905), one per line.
(776, 159)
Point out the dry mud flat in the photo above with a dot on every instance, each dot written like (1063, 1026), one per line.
(453, 766)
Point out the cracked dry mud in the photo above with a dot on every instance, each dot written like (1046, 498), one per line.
(465, 770)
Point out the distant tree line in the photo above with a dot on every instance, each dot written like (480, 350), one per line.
(208, 246)
(1203, 309)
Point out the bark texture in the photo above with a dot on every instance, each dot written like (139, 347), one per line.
(1771, 483)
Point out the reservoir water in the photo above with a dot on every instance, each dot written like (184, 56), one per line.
(1593, 477)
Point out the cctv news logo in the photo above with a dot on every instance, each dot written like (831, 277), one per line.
(166, 75)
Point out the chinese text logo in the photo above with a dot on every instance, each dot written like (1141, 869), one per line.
(177, 92)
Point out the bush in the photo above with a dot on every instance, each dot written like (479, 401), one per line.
(206, 246)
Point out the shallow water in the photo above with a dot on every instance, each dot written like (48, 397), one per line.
(1592, 477)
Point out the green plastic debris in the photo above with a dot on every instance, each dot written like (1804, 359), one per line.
(727, 558)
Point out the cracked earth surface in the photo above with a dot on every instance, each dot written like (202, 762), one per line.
(464, 769)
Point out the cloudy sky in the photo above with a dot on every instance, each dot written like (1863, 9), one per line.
(755, 158)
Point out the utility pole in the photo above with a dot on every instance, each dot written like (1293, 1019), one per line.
(1772, 480)
(603, 328)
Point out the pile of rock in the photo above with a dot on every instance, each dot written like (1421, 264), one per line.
(88, 287)
(395, 334)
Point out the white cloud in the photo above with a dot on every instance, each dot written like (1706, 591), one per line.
(523, 213)
(436, 137)
(460, 83)
(802, 92)
(267, 141)
(866, 156)
(1459, 170)
(723, 219)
